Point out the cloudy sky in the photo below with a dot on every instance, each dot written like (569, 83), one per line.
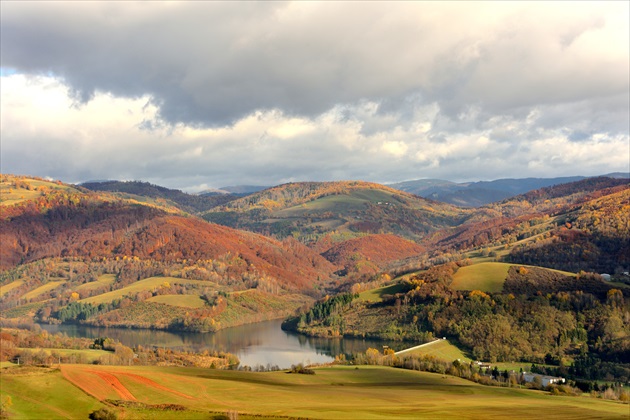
(209, 94)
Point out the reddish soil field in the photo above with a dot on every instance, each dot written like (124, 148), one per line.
(100, 385)
(146, 381)
(103, 385)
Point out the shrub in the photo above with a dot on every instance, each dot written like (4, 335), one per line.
(301, 369)
(103, 414)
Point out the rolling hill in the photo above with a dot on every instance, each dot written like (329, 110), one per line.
(590, 215)
(310, 209)
(59, 241)
(367, 255)
(187, 202)
(480, 193)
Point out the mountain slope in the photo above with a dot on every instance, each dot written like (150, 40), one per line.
(315, 208)
(590, 217)
(367, 255)
(187, 202)
(477, 194)
(92, 225)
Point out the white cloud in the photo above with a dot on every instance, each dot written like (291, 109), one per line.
(207, 93)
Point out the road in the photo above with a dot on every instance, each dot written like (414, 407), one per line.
(417, 347)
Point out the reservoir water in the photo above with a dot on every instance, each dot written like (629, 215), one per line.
(262, 343)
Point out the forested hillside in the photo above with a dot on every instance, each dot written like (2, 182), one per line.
(61, 245)
(312, 209)
(187, 202)
(580, 325)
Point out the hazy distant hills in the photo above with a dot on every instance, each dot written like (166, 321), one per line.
(477, 194)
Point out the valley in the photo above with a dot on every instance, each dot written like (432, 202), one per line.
(514, 283)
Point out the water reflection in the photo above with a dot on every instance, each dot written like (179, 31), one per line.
(262, 343)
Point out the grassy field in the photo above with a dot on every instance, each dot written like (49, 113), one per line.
(186, 301)
(146, 284)
(87, 355)
(486, 276)
(104, 280)
(442, 349)
(30, 309)
(376, 295)
(43, 289)
(366, 392)
(9, 194)
(341, 203)
(445, 350)
(8, 287)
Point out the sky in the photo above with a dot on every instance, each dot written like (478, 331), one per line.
(196, 95)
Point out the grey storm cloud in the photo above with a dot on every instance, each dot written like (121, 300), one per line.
(265, 92)
(211, 63)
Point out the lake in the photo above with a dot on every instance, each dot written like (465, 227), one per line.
(262, 343)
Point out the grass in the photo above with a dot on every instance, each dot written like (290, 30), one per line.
(340, 203)
(87, 355)
(442, 349)
(8, 287)
(104, 280)
(30, 309)
(7, 364)
(186, 301)
(487, 276)
(10, 195)
(38, 393)
(147, 284)
(45, 288)
(342, 392)
(376, 295)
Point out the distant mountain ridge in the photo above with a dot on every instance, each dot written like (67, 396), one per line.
(316, 208)
(187, 202)
(480, 193)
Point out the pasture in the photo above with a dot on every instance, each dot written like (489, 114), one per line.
(486, 276)
(29, 189)
(443, 350)
(341, 392)
(43, 289)
(376, 295)
(84, 355)
(104, 280)
(10, 286)
(150, 284)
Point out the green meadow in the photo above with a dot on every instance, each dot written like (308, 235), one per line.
(341, 392)
(442, 349)
(104, 280)
(10, 286)
(43, 289)
(486, 276)
(376, 295)
(150, 284)
(9, 194)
